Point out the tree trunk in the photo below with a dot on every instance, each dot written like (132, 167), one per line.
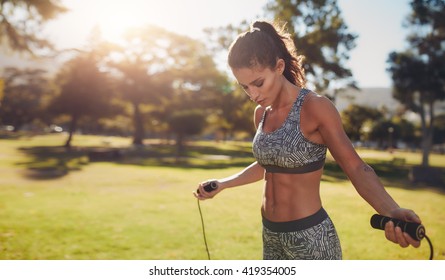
(72, 129)
(179, 146)
(138, 136)
(427, 135)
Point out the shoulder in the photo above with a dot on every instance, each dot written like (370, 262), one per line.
(319, 107)
(316, 104)
(315, 99)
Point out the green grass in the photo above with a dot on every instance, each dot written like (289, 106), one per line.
(56, 204)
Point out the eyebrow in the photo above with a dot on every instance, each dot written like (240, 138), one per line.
(251, 83)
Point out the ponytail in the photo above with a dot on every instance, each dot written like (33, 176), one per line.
(263, 45)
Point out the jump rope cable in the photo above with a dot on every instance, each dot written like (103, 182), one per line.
(203, 230)
(431, 247)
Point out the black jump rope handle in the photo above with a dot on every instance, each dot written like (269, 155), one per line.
(415, 230)
(211, 186)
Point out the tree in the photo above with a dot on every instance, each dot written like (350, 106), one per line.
(24, 96)
(164, 72)
(186, 123)
(2, 90)
(84, 91)
(385, 132)
(321, 35)
(142, 66)
(355, 116)
(21, 20)
(418, 73)
(234, 111)
(439, 130)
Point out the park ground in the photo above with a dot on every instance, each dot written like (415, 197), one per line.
(105, 199)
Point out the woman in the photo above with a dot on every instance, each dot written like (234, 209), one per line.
(295, 127)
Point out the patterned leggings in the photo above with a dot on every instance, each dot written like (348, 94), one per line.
(305, 239)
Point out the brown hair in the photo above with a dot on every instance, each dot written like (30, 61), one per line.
(263, 45)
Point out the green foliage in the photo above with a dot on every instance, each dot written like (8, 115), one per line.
(186, 123)
(419, 72)
(84, 91)
(355, 116)
(439, 130)
(321, 35)
(25, 37)
(190, 122)
(235, 112)
(166, 71)
(388, 132)
(24, 96)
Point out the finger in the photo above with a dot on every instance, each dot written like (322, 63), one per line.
(411, 241)
(401, 238)
(196, 194)
(200, 196)
(202, 193)
(199, 193)
(389, 232)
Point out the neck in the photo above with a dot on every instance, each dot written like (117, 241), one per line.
(286, 97)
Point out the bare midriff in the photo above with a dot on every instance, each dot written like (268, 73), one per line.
(289, 197)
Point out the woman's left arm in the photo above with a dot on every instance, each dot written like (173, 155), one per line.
(362, 176)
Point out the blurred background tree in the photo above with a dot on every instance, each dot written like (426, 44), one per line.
(21, 22)
(26, 92)
(418, 73)
(354, 117)
(322, 36)
(159, 73)
(84, 91)
(186, 123)
(134, 87)
(141, 73)
(319, 33)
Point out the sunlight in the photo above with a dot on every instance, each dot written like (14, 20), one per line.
(114, 18)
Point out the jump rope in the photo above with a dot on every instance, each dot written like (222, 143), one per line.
(211, 186)
(415, 230)
(203, 230)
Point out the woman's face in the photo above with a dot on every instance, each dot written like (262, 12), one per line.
(262, 84)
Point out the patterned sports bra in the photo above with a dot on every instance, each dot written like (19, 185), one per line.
(286, 150)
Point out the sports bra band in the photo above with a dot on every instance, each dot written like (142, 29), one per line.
(313, 166)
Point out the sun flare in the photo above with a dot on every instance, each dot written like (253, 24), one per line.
(114, 19)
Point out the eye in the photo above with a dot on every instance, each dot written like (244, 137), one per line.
(259, 84)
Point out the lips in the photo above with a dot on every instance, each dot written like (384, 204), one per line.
(260, 101)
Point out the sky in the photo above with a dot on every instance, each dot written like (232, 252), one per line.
(378, 23)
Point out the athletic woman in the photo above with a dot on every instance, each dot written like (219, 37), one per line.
(295, 127)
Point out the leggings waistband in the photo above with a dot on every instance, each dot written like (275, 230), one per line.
(296, 225)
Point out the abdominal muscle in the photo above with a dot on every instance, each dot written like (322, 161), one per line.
(289, 197)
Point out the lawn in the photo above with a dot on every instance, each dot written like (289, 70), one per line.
(57, 204)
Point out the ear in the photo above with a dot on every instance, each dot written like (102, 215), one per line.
(280, 65)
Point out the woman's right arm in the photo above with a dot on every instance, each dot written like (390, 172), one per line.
(250, 174)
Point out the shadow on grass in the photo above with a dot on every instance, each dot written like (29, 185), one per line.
(46, 162)
(388, 172)
(51, 162)
(394, 172)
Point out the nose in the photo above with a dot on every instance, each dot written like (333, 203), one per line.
(254, 95)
